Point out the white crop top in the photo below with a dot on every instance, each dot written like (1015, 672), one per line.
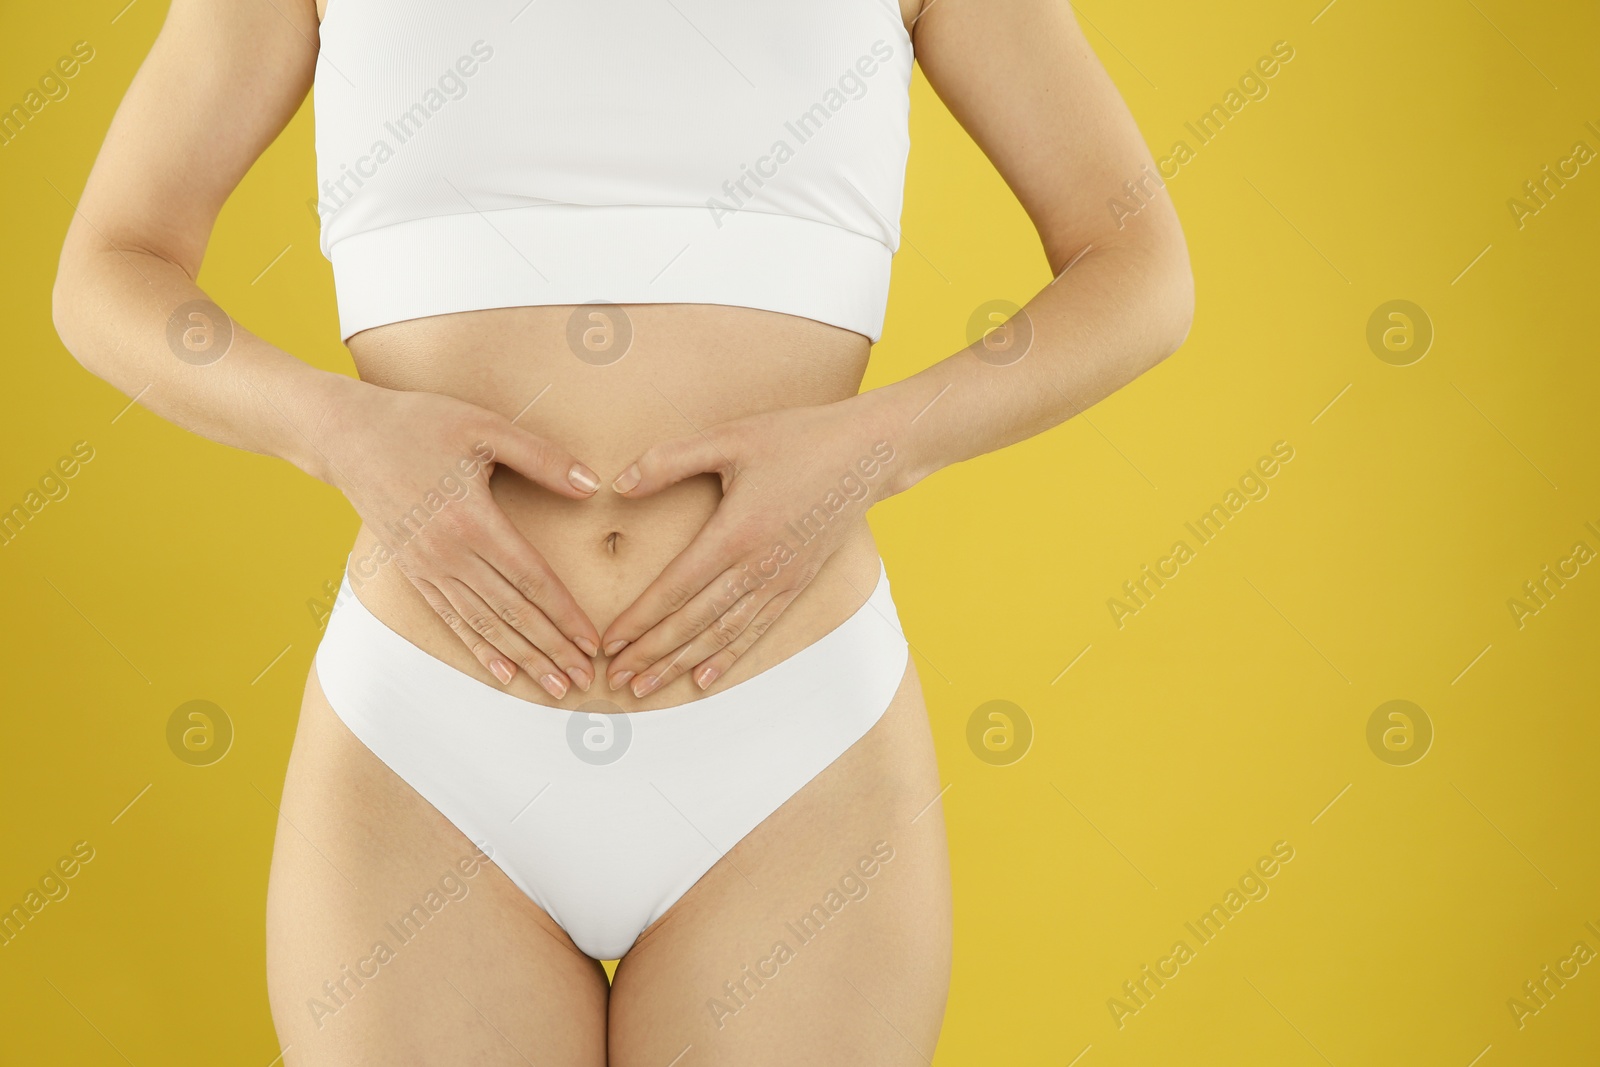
(501, 153)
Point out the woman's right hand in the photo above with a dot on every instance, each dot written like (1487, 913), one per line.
(393, 453)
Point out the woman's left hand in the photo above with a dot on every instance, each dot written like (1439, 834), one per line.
(792, 482)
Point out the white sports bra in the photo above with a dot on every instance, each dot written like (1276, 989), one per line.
(502, 153)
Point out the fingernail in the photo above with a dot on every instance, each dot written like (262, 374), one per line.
(583, 478)
(646, 685)
(502, 670)
(707, 675)
(588, 646)
(620, 679)
(616, 646)
(555, 685)
(628, 479)
(579, 679)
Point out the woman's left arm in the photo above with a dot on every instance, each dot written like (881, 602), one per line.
(1020, 78)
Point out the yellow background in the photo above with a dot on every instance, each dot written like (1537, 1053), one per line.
(1227, 715)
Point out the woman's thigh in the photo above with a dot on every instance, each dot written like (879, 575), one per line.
(823, 937)
(392, 940)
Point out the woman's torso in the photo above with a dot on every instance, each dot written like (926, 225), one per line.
(625, 123)
(687, 367)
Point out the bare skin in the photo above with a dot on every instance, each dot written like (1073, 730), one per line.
(561, 584)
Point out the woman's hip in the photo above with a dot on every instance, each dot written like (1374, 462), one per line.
(605, 819)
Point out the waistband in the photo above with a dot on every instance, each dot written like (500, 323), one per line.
(359, 650)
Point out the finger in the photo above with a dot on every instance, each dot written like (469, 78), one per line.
(670, 462)
(678, 627)
(722, 632)
(525, 619)
(497, 662)
(697, 566)
(513, 557)
(480, 618)
(542, 462)
(717, 665)
(703, 612)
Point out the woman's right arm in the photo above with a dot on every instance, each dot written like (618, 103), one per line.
(220, 83)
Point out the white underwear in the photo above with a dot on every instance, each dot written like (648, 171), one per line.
(606, 819)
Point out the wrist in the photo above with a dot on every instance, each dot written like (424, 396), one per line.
(331, 400)
(889, 414)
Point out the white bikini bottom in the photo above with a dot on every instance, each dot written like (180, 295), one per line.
(606, 819)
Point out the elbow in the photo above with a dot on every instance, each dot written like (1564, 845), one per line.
(1169, 295)
(67, 315)
(1163, 256)
(63, 301)
(1154, 271)
(60, 310)
(1179, 297)
(1176, 285)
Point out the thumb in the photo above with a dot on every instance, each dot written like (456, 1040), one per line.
(542, 462)
(670, 462)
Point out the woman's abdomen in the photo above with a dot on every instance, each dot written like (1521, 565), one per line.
(607, 383)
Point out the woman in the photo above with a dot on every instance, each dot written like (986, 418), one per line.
(615, 671)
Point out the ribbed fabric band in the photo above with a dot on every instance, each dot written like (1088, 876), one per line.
(564, 254)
